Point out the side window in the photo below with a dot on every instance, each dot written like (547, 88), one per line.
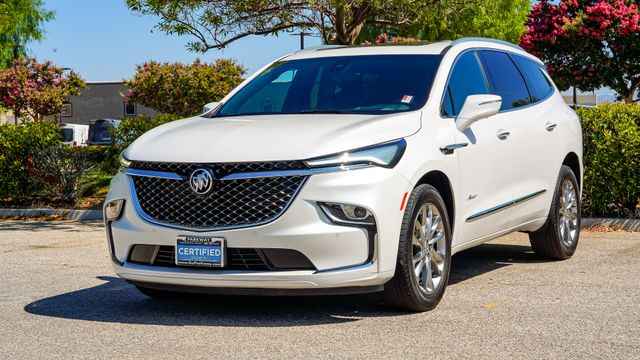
(466, 79)
(505, 79)
(538, 83)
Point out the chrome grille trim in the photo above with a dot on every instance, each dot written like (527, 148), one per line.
(250, 175)
(154, 174)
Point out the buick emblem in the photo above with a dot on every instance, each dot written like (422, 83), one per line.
(201, 181)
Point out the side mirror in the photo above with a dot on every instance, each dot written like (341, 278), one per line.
(210, 106)
(477, 107)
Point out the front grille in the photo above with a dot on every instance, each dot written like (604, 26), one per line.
(230, 203)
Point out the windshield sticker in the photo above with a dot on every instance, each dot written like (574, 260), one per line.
(407, 99)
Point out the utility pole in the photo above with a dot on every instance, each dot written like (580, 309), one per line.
(302, 35)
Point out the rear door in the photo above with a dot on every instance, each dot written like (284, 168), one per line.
(543, 125)
(520, 198)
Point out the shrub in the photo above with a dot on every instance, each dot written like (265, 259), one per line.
(59, 167)
(611, 160)
(18, 143)
(183, 89)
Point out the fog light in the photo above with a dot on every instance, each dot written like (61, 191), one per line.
(348, 214)
(113, 210)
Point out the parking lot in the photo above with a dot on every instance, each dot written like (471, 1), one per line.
(59, 298)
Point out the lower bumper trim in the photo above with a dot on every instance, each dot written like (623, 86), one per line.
(259, 291)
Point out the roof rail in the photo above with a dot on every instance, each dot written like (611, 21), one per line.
(495, 41)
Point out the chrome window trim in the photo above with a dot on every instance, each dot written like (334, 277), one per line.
(148, 218)
(531, 104)
(504, 206)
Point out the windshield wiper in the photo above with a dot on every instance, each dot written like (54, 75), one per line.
(324, 112)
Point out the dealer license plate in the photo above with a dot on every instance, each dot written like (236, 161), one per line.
(205, 251)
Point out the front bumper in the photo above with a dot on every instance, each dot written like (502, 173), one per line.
(344, 256)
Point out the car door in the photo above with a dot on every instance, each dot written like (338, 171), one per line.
(485, 162)
(517, 202)
(544, 123)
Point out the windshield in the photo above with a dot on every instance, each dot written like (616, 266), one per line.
(369, 84)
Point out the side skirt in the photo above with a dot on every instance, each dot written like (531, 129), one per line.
(484, 239)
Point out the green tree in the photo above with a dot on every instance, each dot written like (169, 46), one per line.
(21, 22)
(183, 89)
(215, 24)
(453, 19)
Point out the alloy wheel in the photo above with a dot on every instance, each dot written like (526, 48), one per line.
(429, 248)
(568, 213)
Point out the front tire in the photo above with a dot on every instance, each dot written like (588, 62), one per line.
(424, 253)
(558, 238)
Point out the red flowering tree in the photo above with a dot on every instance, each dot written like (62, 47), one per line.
(31, 89)
(588, 43)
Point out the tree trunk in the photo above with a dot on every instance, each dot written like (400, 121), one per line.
(347, 33)
(16, 115)
(628, 96)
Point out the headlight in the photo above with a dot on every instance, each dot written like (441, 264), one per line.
(124, 162)
(385, 155)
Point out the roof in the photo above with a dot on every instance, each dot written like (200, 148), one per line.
(427, 49)
(330, 51)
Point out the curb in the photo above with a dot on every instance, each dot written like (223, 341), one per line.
(617, 224)
(67, 214)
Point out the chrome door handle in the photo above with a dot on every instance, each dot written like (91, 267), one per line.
(550, 126)
(503, 134)
(449, 149)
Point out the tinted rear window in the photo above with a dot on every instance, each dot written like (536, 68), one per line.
(505, 79)
(539, 85)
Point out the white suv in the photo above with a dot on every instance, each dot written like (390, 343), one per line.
(351, 169)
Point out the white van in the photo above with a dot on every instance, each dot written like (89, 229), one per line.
(74, 134)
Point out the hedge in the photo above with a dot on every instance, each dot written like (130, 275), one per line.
(611, 135)
(18, 143)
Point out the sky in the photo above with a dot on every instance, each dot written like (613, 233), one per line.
(103, 41)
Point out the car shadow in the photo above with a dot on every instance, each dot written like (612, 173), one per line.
(117, 301)
(489, 257)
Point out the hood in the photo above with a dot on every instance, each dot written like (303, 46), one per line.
(268, 137)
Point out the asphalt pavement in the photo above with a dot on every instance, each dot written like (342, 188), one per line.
(60, 299)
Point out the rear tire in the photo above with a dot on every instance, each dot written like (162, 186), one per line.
(424, 253)
(558, 238)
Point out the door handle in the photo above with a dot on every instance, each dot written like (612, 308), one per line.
(449, 149)
(503, 134)
(550, 126)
